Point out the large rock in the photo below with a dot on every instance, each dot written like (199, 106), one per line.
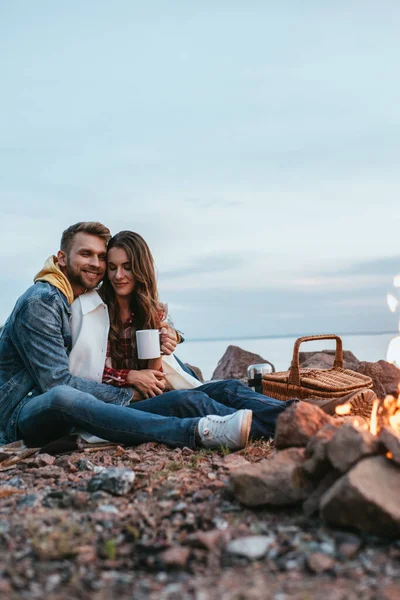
(276, 481)
(348, 445)
(390, 439)
(366, 498)
(317, 463)
(312, 502)
(298, 423)
(385, 377)
(324, 359)
(234, 363)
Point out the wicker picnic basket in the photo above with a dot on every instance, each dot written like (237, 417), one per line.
(314, 383)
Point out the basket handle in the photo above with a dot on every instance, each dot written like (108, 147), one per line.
(294, 371)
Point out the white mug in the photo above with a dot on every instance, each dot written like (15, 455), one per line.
(148, 343)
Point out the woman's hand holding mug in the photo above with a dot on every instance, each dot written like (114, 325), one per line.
(168, 338)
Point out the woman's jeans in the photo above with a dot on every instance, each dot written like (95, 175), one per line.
(170, 418)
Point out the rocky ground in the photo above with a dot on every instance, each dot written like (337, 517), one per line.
(69, 528)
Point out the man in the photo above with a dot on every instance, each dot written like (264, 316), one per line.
(41, 400)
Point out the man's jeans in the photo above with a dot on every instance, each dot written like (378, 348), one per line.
(170, 418)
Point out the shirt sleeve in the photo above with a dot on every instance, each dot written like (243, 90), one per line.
(115, 377)
(180, 334)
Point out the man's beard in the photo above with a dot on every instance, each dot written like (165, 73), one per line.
(76, 279)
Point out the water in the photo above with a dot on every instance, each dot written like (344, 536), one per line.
(205, 354)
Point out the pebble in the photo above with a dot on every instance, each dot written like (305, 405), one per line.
(251, 547)
(16, 482)
(319, 562)
(201, 495)
(180, 507)
(109, 508)
(4, 526)
(117, 481)
(220, 524)
(43, 460)
(177, 556)
(83, 464)
(27, 501)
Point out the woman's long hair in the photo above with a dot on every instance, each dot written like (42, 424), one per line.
(144, 302)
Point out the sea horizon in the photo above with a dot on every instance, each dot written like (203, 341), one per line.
(289, 335)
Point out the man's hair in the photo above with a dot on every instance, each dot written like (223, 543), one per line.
(91, 227)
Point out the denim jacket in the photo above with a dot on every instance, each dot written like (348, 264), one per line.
(34, 346)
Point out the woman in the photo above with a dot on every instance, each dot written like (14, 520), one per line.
(130, 292)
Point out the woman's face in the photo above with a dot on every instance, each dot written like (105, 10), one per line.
(119, 271)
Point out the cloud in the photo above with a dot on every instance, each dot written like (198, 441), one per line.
(205, 265)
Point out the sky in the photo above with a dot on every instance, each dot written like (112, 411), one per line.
(255, 145)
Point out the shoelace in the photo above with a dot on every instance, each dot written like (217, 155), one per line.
(218, 428)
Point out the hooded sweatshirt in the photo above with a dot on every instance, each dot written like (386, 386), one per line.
(52, 273)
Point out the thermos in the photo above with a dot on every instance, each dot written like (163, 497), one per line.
(255, 374)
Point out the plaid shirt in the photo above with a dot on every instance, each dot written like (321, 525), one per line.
(118, 377)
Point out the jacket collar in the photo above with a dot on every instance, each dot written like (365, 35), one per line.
(89, 301)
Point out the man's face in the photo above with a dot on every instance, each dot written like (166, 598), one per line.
(85, 263)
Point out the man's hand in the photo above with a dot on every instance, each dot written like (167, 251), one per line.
(169, 338)
(148, 382)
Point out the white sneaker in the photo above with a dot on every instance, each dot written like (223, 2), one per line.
(232, 430)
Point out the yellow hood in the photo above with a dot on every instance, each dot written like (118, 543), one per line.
(52, 273)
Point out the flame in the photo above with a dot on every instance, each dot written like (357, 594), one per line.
(394, 421)
(343, 409)
(396, 281)
(373, 423)
(392, 302)
(389, 455)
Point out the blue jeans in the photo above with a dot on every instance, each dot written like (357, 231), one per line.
(170, 418)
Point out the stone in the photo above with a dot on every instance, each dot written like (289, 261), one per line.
(366, 498)
(42, 460)
(251, 547)
(390, 439)
(16, 481)
(318, 562)
(116, 481)
(312, 503)
(27, 501)
(210, 540)
(201, 495)
(276, 481)
(177, 556)
(348, 445)
(298, 423)
(234, 460)
(58, 499)
(234, 363)
(347, 545)
(324, 360)
(385, 377)
(197, 371)
(83, 464)
(108, 508)
(317, 463)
